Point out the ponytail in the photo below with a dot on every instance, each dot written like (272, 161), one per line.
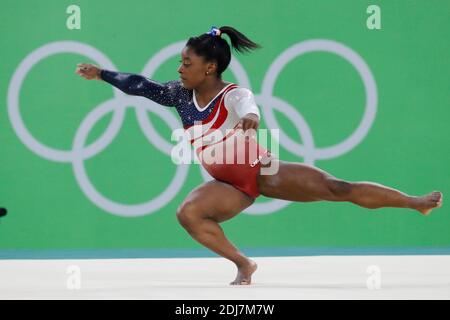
(239, 41)
(213, 47)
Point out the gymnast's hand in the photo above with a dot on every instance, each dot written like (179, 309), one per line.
(249, 121)
(88, 71)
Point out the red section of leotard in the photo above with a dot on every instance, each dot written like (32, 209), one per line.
(231, 158)
(239, 167)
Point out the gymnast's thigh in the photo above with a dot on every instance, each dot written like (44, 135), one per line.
(216, 200)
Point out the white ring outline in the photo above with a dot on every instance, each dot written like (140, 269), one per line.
(308, 151)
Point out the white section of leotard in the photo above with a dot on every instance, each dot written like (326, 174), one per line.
(242, 101)
(206, 106)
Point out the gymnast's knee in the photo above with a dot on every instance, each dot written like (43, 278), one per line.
(340, 189)
(188, 214)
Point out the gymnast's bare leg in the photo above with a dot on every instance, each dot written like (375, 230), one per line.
(304, 183)
(200, 214)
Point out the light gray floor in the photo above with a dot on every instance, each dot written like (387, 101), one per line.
(321, 277)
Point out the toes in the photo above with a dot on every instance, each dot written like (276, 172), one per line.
(439, 198)
(437, 194)
(241, 282)
(436, 197)
(235, 282)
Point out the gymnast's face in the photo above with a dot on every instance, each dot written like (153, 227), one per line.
(193, 69)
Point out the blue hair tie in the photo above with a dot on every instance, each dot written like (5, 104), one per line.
(214, 31)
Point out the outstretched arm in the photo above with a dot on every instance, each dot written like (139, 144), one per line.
(132, 84)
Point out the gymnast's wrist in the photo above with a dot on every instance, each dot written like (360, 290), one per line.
(99, 74)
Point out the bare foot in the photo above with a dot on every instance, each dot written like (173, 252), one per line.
(244, 275)
(426, 203)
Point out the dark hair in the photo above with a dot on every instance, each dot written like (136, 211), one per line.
(215, 48)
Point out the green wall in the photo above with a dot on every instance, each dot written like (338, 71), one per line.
(406, 144)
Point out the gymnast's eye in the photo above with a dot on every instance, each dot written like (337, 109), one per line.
(184, 64)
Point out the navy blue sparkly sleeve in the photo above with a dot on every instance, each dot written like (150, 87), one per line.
(137, 85)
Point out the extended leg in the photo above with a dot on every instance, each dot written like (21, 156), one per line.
(302, 182)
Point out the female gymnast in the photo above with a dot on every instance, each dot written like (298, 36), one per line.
(201, 95)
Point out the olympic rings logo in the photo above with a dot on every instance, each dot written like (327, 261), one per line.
(80, 152)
